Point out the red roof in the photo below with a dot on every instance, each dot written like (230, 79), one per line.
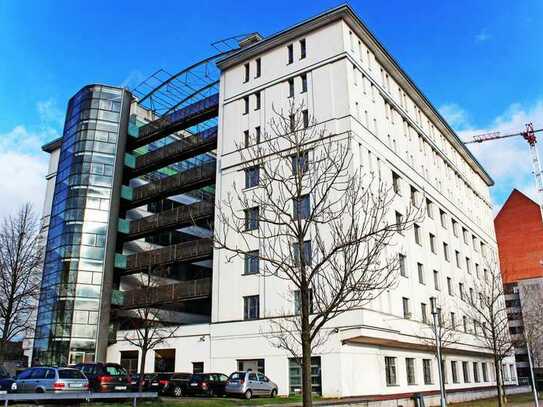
(519, 232)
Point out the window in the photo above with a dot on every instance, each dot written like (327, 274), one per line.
(471, 297)
(453, 321)
(410, 370)
(454, 227)
(246, 105)
(305, 117)
(304, 82)
(461, 290)
(390, 371)
(433, 243)
(252, 177)
(457, 256)
(429, 209)
(403, 267)
(416, 228)
(307, 253)
(512, 368)
(414, 195)
(257, 134)
(251, 262)
(396, 182)
(301, 207)
(468, 265)
(436, 280)
(476, 372)
(292, 121)
(298, 302)
(300, 163)
(427, 370)
(420, 270)
(251, 218)
(295, 376)
(484, 368)
(197, 367)
(446, 251)
(465, 372)
(465, 235)
(290, 87)
(449, 286)
(424, 312)
(474, 242)
(246, 139)
(246, 68)
(290, 51)
(443, 217)
(257, 105)
(251, 307)
(465, 323)
(258, 67)
(405, 304)
(302, 49)
(399, 221)
(454, 371)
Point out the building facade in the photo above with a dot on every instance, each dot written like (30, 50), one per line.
(175, 160)
(519, 232)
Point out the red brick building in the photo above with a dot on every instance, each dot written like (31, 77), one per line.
(519, 233)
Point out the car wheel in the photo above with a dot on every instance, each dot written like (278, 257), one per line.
(177, 391)
(273, 393)
(248, 394)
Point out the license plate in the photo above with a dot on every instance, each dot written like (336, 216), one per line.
(194, 384)
(76, 385)
(154, 384)
(120, 387)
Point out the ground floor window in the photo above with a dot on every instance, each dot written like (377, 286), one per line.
(485, 371)
(390, 371)
(475, 372)
(410, 370)
(295, 376)
(197, 367)
(165, 360)
(454, 371)
(427, 370)
(465, 372)
(129, 360)
(256, 365)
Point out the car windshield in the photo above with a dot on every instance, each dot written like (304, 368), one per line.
(70, 374)
(237, 376)
(115, 371)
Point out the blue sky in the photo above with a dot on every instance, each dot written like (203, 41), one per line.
(479, 62)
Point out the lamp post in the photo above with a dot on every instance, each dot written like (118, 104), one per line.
(435, 312)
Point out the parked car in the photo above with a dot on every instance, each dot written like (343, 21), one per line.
(105, 377)
(51, 379)
(209, 384)
(150, 382)
(249, 384)
(175, 384)
(7, 383)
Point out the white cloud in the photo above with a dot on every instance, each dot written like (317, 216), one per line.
(457, 117)
(482, 36)
(508, 160)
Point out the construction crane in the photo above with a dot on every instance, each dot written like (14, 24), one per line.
(530, 137)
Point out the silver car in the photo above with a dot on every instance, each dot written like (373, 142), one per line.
(249, 384)
(51, 379)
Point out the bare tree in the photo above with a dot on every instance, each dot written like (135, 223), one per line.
(488, 311)
(20, 272)
(148, 331)
(316, 221)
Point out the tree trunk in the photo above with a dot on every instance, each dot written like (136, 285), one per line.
(497, 372)
(306, 350)
(142, 369)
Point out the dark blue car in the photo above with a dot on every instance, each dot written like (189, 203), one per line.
(7, 383)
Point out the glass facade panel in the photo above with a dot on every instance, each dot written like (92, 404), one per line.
(67, 320)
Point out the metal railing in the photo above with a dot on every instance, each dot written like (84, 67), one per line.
(176, 151)
(84, 396)
(175, 184)
(168, 294)
(178, 120)
(171, 218)
(178, 253)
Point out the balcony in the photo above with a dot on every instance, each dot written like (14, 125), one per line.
(170, 219)
(167, 294)
(186, 252)
(180, 150)
(185, 181)
(181, 119)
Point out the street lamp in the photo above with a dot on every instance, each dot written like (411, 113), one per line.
(435, 313)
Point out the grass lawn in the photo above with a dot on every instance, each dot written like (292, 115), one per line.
(516, 399)
(204, 402)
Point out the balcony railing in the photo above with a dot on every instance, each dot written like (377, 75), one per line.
(181, 119)
(167, 294)
(179, 253)
(176, 151)
(185, 181)
(170, 219)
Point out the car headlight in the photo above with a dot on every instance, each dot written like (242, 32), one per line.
(14, 386)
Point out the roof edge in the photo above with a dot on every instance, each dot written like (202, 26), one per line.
(52, 145)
